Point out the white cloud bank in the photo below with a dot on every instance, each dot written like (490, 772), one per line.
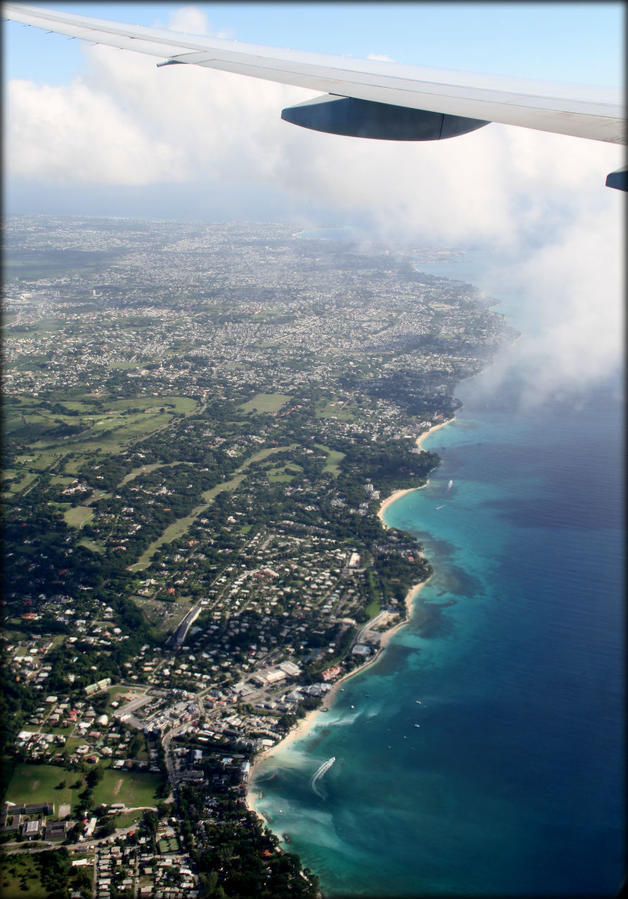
(127, 123)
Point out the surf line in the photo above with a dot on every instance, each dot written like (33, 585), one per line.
(320, 771)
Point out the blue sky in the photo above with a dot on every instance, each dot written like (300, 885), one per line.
(576, 42)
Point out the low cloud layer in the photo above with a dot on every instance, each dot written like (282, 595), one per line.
(124, 122)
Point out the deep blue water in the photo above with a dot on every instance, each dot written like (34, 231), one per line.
(512, 784)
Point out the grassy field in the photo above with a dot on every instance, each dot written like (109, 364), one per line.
(134, 788)
(91, 544)
(265, 402)
(108, 426)
(37, 783)
(76, 516)
(61, 480)
(145, 469)
(283, 473)
(21, 482)
(373, 608)
(340, 410)
(334, 458)
(127, 819)
(265, 453)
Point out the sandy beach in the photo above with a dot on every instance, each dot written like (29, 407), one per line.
(399, 493)
(306, 723)
(392, 499)
(431, 430)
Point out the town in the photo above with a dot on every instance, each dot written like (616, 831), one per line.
(201, 422)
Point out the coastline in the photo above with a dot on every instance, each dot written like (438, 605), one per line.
(425, 434)
(399, 493)
(303, 725)
(393, 499)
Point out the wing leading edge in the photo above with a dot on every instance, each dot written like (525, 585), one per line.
(366, 98)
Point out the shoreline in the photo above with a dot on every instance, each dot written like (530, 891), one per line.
(437, 427)
(303, 725)
(397, 494)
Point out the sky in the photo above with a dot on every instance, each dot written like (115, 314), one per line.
(98, 131)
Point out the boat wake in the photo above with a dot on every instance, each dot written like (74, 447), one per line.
(320, 771)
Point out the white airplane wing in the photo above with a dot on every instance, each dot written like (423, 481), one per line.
(367, 98)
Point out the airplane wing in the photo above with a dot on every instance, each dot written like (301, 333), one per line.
(367, 98)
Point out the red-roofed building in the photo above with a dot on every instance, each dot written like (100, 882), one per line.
(331, 673)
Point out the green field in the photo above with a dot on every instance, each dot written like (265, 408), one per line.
(265, 453)
(145, 469)
(334, 458)
(341, 410)
(127, 819)
(283, 473)
(107, 426)
(21, 482)
(265, 402)
(93, 545)
(36, 783)
(373, 608)
(76, 516)
(134, 788)
(61, 480)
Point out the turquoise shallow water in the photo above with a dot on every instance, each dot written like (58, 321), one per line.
(483, 754)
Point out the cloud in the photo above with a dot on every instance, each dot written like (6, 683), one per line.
(572, 291)
(79, 134)
(190, 20)
(538, 196)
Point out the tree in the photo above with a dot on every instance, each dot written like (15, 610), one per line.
(107, 828)
(94, 777)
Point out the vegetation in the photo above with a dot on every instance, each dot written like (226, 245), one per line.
(219, 451)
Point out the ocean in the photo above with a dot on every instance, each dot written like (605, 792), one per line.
(483, 754)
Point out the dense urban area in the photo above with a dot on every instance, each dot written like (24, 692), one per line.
(200, 424)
